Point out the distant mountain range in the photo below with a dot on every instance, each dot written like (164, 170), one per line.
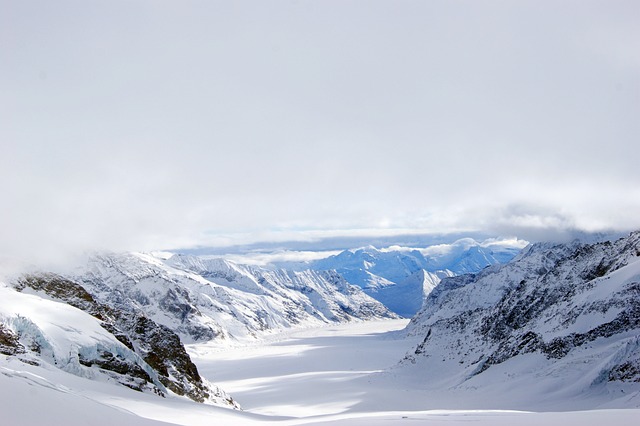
(402, 277)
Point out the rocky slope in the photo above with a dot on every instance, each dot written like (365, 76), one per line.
(50, 320)
(565, 315)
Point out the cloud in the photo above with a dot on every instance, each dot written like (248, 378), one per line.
(138, 126)
(266, 259)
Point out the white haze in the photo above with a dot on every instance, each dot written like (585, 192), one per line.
(157, 124)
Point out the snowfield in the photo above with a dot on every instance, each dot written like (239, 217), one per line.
(328, 375)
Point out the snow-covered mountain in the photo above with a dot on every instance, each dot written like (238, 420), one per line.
(50, 321)
(560, 321)
(204, 299)
(555, 329)
(406, 298)
(396, 276)
(371, 268)
(467, 255)
(123, 318)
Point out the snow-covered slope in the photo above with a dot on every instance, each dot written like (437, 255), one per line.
(318, 376)
(123, 317)
(204, 299)
(96, 342)
(563, 319)
(43, 395)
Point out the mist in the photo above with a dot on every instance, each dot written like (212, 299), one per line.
(145, 125)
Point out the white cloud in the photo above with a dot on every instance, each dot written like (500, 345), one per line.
(270, 258)
(138, 126)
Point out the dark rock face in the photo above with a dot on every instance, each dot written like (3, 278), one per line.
(162, 349)
(553, 300)
(159, 348)
(122, 370)
(10, 342)
(626, 372)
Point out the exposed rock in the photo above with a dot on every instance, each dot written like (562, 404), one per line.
(159, 348)
(562, 301)
(10, 342)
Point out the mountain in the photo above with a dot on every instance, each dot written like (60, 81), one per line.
(406, 298)
(204, 299)
(468, 256)
(122, 318)
(559, 322)
(387, 275)
(50, 321)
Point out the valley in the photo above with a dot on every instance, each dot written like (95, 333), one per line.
(325, 375)
(550, 335)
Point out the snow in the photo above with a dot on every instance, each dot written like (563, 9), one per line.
(329, 375)
(341, 373)
(315, 369)
(202, 299)
(61, 331)
(32, 396)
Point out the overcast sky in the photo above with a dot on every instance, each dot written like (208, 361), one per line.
(163, 124)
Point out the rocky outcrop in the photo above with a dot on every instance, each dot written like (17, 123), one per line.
(163, 362)
(10, 342)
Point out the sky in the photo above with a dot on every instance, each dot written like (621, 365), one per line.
(153, 124)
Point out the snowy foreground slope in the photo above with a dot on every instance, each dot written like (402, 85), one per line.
(61, 327)
(328, 375)
(559, 325)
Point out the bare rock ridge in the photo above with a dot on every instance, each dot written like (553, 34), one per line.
(10, 342)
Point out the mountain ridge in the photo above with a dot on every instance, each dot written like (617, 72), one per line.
(384, 273)
(556, 313)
